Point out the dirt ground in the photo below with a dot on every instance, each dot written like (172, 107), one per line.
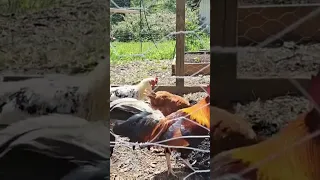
(65, 39)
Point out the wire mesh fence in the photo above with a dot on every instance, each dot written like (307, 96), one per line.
(144, 44)
(274, 41)
(291, 49)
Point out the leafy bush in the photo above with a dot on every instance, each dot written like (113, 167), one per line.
(160, 24)
(198, 38)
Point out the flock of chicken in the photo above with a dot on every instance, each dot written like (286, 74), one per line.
(236, 151)
(61, 122)
(165, 117)
(170, 118)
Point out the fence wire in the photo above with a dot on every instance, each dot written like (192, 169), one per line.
(269, 52)
(143, 44)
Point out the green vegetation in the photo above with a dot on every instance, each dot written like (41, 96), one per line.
(153, 27)
(129, 51)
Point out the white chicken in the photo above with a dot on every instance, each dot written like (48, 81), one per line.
(133, 91)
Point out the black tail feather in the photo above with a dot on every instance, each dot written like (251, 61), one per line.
(136, 127)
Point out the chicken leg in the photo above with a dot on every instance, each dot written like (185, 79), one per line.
(170, 170)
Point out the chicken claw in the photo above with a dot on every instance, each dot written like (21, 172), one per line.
(170, 170)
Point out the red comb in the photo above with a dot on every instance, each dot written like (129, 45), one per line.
(156, 79)
(314, 89)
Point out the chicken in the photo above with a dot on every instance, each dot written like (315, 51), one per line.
(85, 97)
(122, 109)
(143, 128)
(30, 149)
(286, 155)
(166, 102)
(229, 131)
(133, 91)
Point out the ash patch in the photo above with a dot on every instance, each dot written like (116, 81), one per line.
(202, 159)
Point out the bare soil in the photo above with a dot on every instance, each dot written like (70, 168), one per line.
(65, 39)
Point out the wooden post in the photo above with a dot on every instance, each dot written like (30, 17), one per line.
(180, 26)
(223, 65)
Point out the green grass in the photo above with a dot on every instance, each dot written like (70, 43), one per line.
(123, 52)
(126, 52)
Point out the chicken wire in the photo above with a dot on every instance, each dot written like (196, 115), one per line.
(294, 44)
(194, 37)
(274, 50)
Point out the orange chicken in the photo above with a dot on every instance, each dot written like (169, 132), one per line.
(166, 102)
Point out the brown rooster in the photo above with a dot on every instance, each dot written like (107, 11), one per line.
(143, 128)
(166, 102)
(278, 157)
